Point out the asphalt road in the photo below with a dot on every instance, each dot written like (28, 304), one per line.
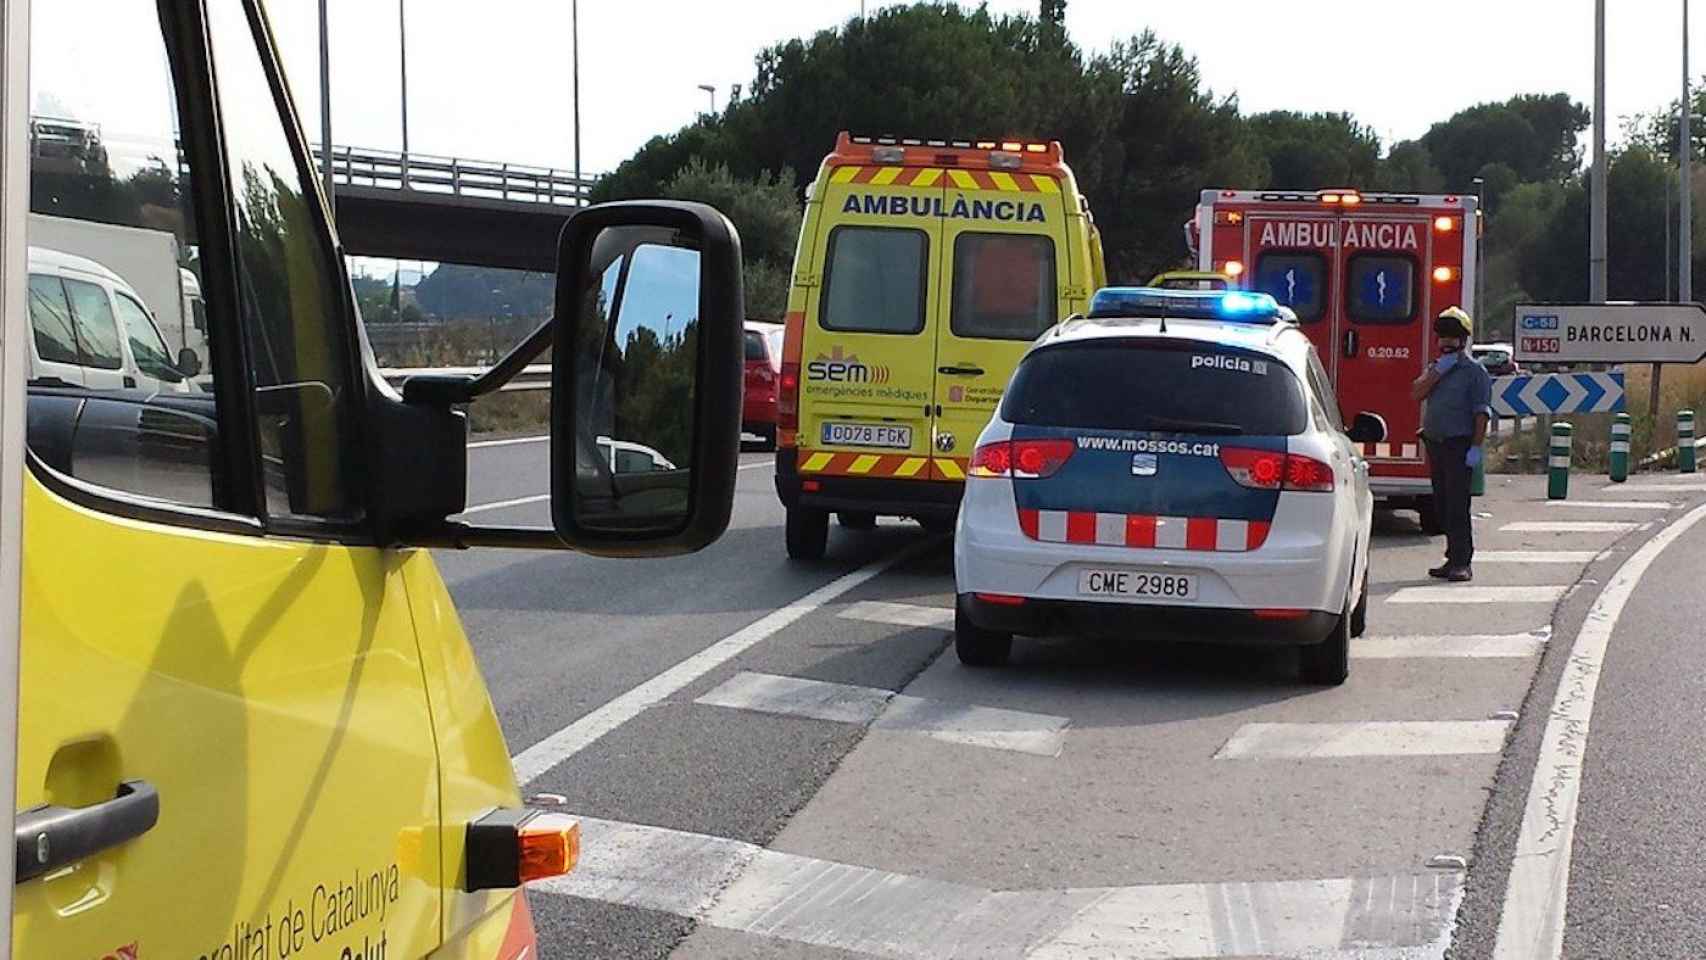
(774, 759)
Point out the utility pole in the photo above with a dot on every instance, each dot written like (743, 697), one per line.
(1596, 228)
(403, 66)
(575, 68)
(326, 107)
(711, 91)
(1685, 230)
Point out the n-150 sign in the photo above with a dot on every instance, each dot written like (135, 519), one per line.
(1611, 332)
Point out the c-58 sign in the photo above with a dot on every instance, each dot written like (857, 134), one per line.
(1610, 332)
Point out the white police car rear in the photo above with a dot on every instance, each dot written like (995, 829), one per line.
(1172, 467)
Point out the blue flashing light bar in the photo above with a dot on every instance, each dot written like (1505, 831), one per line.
(1238, 306)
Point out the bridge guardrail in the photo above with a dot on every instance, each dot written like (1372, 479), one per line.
(452, 176)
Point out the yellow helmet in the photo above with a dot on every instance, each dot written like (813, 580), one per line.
(1453, 322)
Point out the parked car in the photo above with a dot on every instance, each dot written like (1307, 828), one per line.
(763, 376)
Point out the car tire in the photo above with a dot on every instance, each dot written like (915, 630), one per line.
(808, 534)
(936, 524)
(1427, 511)
(977, 647)
(1359, 613)
(767, 439)
(1328, 663)
(857, 520)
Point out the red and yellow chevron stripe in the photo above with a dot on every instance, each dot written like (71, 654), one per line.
(901, 466)
(998, 180)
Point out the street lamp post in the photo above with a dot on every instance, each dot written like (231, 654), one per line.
(1480, 245)
(1596, 192)
(326, 106)
(575, 67)
(711, 91)
(403, 67)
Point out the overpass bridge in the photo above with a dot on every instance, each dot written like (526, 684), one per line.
(421, 207)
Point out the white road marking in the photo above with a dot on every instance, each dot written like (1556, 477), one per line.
(1569, 526)
(1459, 593)
(1614, 504)
(806, 900)
(506, 504)
(1534, 556)
(575, 737)
(1368, 738)
(1663, 486)
(969, 724)
(756, 464)
(1531, 926)
(512, 441)
(1470, 646)
(898, 614)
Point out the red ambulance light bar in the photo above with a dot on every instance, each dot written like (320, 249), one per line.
(1344, 198)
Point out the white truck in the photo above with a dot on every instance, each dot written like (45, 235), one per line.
(147, 260)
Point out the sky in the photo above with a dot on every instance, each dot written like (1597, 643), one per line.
(495, 84)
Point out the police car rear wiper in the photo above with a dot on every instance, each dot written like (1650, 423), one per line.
(1181, 425)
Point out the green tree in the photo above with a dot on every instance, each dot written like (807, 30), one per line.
(767, 213)
(1534, 135)
(1408, 168)
(1308, 151)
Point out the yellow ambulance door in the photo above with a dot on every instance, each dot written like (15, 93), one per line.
(225, 746)
(866, 369)
(1006, 269)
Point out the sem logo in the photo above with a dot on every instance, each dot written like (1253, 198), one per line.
(836, 367)
(1540, 321)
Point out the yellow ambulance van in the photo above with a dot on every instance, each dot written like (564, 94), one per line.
(249, 722)
(924, 269)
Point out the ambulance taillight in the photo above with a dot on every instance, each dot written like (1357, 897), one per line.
(788, 398)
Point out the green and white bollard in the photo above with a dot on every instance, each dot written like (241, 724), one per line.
(1558, 463)
(1619, 448)
(1685, 441)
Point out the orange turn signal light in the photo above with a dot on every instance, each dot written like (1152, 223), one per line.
(1444, 274)
(549, 845)
(1444, 224)
(1233, 269)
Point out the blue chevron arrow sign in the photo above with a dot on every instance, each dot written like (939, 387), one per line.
(1531, 395)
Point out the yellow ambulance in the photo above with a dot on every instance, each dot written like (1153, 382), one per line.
(924, 269)
(249, 722)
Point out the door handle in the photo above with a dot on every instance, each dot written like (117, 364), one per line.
(1350, 343)
(50, 837)
(129, 381)
(955, 370)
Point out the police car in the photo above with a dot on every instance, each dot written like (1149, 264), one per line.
(1172, 466)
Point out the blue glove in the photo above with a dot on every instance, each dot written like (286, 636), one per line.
(1473, 460)
(1446, 361)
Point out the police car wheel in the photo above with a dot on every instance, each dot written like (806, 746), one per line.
(1427, 511)
(977, 647)
(1359, 614)
(1328, 663)
(807, 534)
(857, 521)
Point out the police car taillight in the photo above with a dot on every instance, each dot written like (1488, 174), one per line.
(1271, 470)
(1021, 459)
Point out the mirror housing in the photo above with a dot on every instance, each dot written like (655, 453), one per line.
(666, 511)
(1367, 428)
(189, 364)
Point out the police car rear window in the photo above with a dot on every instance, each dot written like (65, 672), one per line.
(874, 281)
(1003, 286)
(1159, 387)
(1380, 289)
(1297, 280)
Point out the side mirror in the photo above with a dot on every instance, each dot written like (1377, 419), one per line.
(1367, 428)
(646, 355)
(189, 364)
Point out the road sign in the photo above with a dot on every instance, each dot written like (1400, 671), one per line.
(1530, 395)
(1610, 332)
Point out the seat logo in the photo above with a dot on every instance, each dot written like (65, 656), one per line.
(839, 367)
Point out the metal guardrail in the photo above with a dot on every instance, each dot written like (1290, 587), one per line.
(534, 376)
(452, 176)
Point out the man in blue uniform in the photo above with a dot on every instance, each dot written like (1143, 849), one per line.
(1457, 394)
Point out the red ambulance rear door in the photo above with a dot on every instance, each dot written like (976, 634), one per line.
(1384, 300)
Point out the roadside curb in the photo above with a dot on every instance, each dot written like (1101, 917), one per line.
(1478, 916)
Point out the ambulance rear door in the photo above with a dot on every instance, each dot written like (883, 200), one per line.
(866, 367)
(1007, 275)
(1294, 257)
(1382, 329)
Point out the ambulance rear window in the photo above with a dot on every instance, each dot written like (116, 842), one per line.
(874, 282)
(1003, 286)
(1380, 289)
(1297, 279)
(1161, 387)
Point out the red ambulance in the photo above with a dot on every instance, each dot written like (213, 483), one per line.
(1365, 273)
